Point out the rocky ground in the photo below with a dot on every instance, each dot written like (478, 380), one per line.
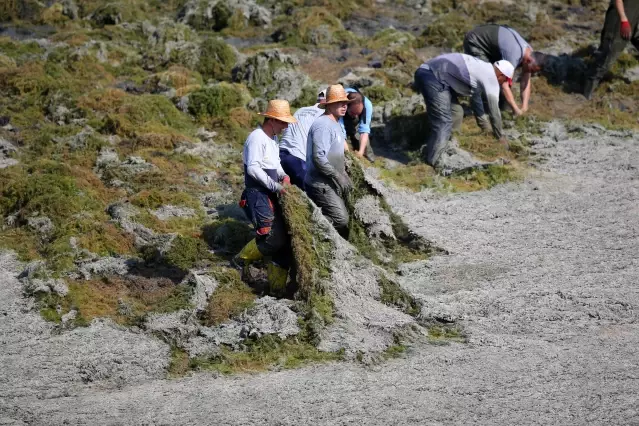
(541, 274)
(507, 293)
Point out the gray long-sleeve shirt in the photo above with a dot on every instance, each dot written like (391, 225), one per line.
(499, 42)
(262, 160)
(325, 150)
(466, 75)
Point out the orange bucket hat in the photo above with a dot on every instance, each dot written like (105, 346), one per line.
(279, 109)
(335, 93)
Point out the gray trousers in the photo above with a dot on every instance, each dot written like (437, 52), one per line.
(325, 195)
(443, 111)
(612, 45)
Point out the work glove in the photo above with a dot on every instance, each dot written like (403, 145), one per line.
(281, 190)
(626, 30)
(344, 183)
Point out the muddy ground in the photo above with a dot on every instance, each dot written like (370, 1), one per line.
(542, 275)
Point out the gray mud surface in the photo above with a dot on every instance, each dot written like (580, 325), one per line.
(542, 275)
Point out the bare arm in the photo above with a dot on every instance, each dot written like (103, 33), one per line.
(363, 141)
(525, 86)
(508, 94)
(620, 10)
(495, 116)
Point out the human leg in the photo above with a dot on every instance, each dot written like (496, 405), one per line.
(610, 47)
(332, 205)
(438, 100)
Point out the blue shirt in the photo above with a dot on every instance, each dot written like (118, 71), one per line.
(364, 125)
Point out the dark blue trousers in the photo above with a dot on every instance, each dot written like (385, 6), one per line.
(294, 167)
(271, 236)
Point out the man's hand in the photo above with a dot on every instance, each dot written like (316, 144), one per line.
(359, 154)
(286, 180)
(518, 112)
(626, 30)
(344, 183)
(524, 109)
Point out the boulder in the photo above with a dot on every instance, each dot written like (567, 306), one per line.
(272, 74)
(217, 14)
(7, 151)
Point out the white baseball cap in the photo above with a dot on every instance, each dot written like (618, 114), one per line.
(506, 68)
(321, 96)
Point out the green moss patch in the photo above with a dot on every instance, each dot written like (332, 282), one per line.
(74, 202)
(230, 298)
(216, 59)
(228, 235)
(215, 101)
(392, 294)
(311, 252)
(126, 300)
(186, 252)
(313, 26)
(265, 353)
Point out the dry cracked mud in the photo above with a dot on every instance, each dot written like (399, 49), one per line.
(542, 275)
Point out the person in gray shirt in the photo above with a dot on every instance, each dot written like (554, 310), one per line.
(492, 43)
(294, 139)
(326, 181)
(442, 79)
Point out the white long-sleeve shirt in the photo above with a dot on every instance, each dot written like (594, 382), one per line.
(262, 161)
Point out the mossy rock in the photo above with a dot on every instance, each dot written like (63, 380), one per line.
(228, 235)
(217, 19)
(183, 253)
(447, 31)
(217, 59)
(129, 115)
(392, 38)
(72, 199)
(218, 100)
(272, 74)
(231, 297)
(312, 26)
(379, 94)
(20, 51)
(108, 14)
(54, 15)
(176, 77)
(25, 10)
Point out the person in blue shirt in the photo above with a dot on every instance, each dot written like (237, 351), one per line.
(357, 123)
(264, 180)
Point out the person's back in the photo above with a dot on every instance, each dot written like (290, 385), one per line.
(465, 74)
(295, 137)
(293, 144)
(326, 135)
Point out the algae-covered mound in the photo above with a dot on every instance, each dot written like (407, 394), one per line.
(344, 288)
